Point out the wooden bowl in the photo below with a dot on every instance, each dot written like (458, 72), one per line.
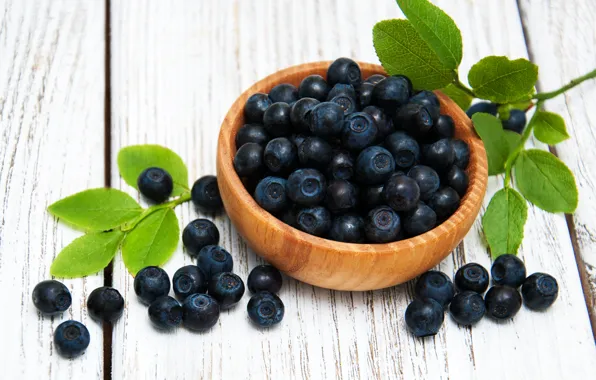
(330, 264)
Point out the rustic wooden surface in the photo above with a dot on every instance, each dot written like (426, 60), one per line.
(176, 67)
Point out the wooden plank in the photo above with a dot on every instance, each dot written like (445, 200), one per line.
(571, 52)
(51, 145)
(173, 83)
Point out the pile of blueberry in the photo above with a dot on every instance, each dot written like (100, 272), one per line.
(352, 160)
(435, 291)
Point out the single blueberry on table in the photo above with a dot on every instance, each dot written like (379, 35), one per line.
(540, 290)
(472, 277)
(155, 184)
(165, 313)
(348, 104)
(461, 151)
(439, 155)
(189, 279)
(105, 304)
(427, 179)
(151, 283)
(71, 339)
(443, 128)
(200, 312)
(345, 71)
(384, 124)
(502, 302)
(313, 86)
(404, 148)
(347, 228)
(401, 193)
(436, 285)
(205, 194)
(306, 187)
(365, 94)
(360, 131)
(255, 108)
(508, 270)
(264, 277)
(314, 152)
(326, 119)
(424, 317)
(391, 93)
(467, 308)
(280, 155)
(342, 89)
(315, 220)
(277, 120)
(375, 78)
(341, 166)
(213, 259)
(341, 196)
(382, 225)
(198, 234)
(444, 202)
(265, 309)
(249, 160)
(429, 100)
(300, 114)
(51, 297)
(457, 179)
(271, 195)
(419, 220)
(371, 197)
(284, 92)
(227, 289)
(516, 121)
(251, 133)
(485, 107)
(374, 165)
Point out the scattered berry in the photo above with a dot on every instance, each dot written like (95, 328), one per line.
(200, 312)
(265, 309)
(227, 289)
(155, 184)
(151, 283)
(213, 259)
(436, 285)
(424, 317)
(105, 304)
(198, 234)
(205, 194)
(502, 302)
(467, 308)
(264, 277)
(51, 297)
(189, 279)
(165, 312)
(472, 277)
(71, 339)
(540, 290)
(508, 270)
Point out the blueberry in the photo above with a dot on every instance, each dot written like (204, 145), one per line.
(485, 107)
(371, 197)
(457, 179)
(277, 120)
(424, 317)
(472, 277)
(71, 339)
(443, 128)
(189, 279)
(540, 290)
(359, 132)
(348, 228)
(265, 309)
(516, 121)
(419, 220)
(313, 86)
(391, 93)
(374, 79)
(205, 194)
(427, 179)
(414, 119)
(341, 166)
(382, 225)
(255, 107)
(461, 151)
(404, 148)
(439, 155)
(264, 277)
(326, 119)
(248, 159)
(297, 139)
(384, 125)
(365, 94)
(347, 103)
(51, 297)
(105, 304)
(436, 285)
(502, 302)
(401, 193)
(341, 196)
(200, 312)
(271, 195)
(280, 155)
(254, 133)
(227, 289)
(213, 259)
(444, 202)
(374, 165)
(300, 113)
(155, 184)
(306, 187)
(315, 152)
(314, 220)
(198, 234)
(288, 216)
(284, 92)
(165, 313)
(429, 100)
(508, 270)
(151, 283)
(344, 70)
(342, 89)
(467, 308)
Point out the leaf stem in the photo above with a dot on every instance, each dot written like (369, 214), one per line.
(185, 197)
(571, 84)
(463, 87)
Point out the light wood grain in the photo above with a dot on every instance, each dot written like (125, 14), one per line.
(51, 145)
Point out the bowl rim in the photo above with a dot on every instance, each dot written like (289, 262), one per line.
(227, 148)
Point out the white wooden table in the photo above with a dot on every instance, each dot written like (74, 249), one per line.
(79, 79)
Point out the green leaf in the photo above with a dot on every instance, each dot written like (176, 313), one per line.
(401, 51)
(96, 209)
(87, 255)
(504, 220)
(498, 143)
(132, 160)
(436, 28)
(502, 81)
(152, 241)
(505, 109)
(549, 127)
(461, 98)
(545, 181)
